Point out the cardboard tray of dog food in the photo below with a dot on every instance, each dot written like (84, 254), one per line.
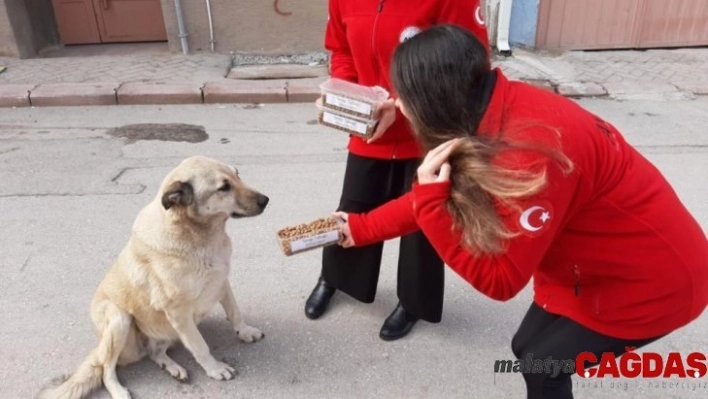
(303, 237)
(353, 125)
(351, 98)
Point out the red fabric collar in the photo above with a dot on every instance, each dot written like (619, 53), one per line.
(492, 120)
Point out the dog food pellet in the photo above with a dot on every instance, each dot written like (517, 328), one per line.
(363, 129)
(303, 237)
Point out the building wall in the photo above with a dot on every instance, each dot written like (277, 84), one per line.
(252, 26)
(20, 23)
(44, 26)
(524, 20)
(246, 26)
(8, 45)
(26, 27)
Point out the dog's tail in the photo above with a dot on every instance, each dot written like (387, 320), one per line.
(85, 379)
(114, 329)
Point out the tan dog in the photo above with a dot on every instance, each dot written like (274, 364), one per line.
(171, 273)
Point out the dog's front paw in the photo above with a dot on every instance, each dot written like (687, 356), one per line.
(121, 394)
(249, 334)
(221, 371)
(176, 371)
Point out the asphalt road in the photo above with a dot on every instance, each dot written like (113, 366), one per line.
(70, 192)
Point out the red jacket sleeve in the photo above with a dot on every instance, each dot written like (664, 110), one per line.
(465, 13)
(341, 61)
(502, 276)
(391, 220)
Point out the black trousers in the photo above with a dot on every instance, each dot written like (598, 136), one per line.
(369, 183)
(542, 334)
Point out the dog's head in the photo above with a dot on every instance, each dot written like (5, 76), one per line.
(203, 188)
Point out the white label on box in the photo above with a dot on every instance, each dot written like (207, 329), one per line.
(348, 103)
(315, 241)
(344, 122)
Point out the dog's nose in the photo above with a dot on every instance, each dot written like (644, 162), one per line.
(262, 201)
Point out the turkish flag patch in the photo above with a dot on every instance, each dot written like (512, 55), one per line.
(535, 218)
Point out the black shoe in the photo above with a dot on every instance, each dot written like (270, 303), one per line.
(319, 299)
(398, 324)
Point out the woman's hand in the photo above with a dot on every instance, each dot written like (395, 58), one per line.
(435, 167)
(386, 116)
(347, 241)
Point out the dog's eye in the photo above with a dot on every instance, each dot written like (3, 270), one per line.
(225, 187)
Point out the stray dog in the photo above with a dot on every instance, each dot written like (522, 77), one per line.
(172, 272)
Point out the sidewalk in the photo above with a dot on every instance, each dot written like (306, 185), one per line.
(663, 74)
(163, 78)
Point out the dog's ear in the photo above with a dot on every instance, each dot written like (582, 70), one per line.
(178, 193)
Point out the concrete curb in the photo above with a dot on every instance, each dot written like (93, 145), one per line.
(159, 93)
(263, 91)
(15, 95)
(699, 88)
(231, 91)
(63, 94)
(646, 90)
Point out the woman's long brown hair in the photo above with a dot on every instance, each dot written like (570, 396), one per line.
(439, 76)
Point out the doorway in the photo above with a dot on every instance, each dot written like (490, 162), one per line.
(109, 21)
(621, 24)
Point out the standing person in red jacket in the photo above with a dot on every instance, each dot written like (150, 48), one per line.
(521, 183)
(362, 35)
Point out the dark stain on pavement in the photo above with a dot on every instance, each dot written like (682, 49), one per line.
(160, 131)
(9, 150)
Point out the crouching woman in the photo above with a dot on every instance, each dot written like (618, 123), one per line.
(520, 184)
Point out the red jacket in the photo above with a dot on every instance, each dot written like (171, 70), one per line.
(609, 245)
(362, 36)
